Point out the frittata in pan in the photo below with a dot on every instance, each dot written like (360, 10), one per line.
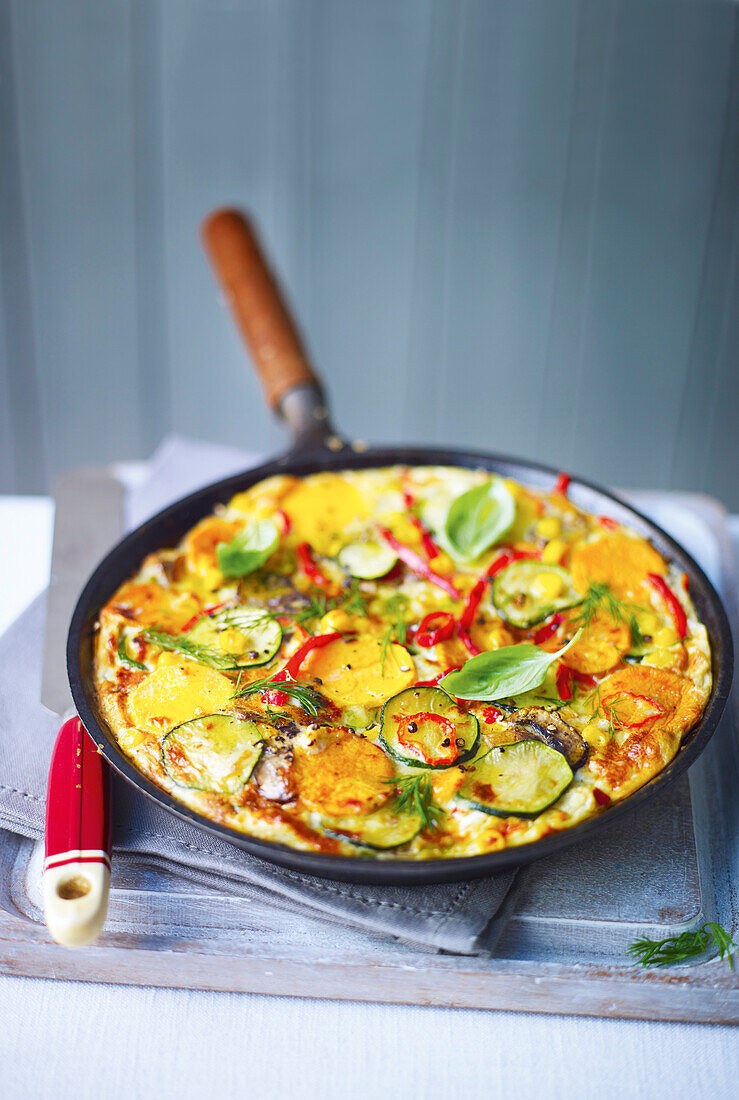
(402, 663)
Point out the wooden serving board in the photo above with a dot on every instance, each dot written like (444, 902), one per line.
(669, 868)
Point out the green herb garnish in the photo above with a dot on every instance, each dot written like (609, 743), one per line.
(248, 550)
(123, 654)
(414, 794)
(396, 609)
(306, 697)
(502, 673)
(182, 643)
(676, 949)
(353, 603)
(478, 518)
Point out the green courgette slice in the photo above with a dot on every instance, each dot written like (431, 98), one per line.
(516, 780)
(366, 560)
(261, 635)
(425, 728)
(379, 831)
(516, 598)
(217, 752)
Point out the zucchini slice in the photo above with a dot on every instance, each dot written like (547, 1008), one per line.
(519, 600)
(516, 780)
(245, 636)
(379, 831)
(424, 728)
(366, 560)
(217, 752)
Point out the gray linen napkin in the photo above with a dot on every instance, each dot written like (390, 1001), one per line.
(465, 918)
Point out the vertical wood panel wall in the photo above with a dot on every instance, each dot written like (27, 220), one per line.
(510, 225)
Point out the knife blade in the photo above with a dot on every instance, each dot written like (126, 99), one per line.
(88, 520)
(76, 879)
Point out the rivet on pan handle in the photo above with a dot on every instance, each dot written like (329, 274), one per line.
(76, 877)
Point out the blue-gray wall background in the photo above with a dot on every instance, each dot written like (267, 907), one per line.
(506, 224)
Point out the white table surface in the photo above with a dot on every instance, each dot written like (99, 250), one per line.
(90, 1040)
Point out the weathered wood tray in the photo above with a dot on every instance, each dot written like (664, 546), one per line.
(670, 868)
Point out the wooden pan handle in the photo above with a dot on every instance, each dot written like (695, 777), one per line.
(257, 305)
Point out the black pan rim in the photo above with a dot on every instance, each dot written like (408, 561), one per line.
(178, 517)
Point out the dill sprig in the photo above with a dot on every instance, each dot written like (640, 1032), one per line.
(395, 609)
(305, 696)
(182, 643)
(676, 949)
(414, 795)
(353, 602)
(600, 598)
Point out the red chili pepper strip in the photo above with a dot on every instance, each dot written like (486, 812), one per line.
(657, 710)
(564, 682)
(448, 731)
(608, 523)
(286, 521)
(417, 565)
(685, 581)
(548, 630)
(210, 609)
(275, 698)
(434, 683)
(473, 602)
(291, 669)
(434, 628)
(505, 558)
(470, 646)
(432, 550)
(583, 678)
(601, 797)
(562, 484)
(309, 567)
(676, 608)
(492, 714)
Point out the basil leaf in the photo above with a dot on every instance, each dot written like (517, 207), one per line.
(479, 518)
(502, 673)
(248, 550)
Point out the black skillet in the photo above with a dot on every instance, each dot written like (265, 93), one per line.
(295, 393)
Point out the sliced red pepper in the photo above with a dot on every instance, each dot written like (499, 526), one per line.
(275, 698)
(608, 523)
(562, 484)
(417, 564)
(492, 714)
(601, 797)
(564, 682)
(685, 581)
(286, 521)
(435, 682)
(448, 729)
(657, 710)
(291, 669)
(210, 609)
(471, 647)
(548, 630)
(675, 607)
(432, 550)
(505, 558)
(434, 628)
(309, 567)
(473, 602)
(584, 678)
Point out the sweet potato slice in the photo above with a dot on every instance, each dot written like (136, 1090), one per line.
(601, 645)
(347, 777)
(619, 561)
(173, 693)
(151, 604)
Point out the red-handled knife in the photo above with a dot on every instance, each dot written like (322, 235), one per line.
(77, 864)
(88, 520)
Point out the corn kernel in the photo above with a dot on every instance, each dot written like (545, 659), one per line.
(232, 641)
(549, 527)
(660, 658)
(442, 563)
(549, 585)
(666, 637)
(553, 551)
(648, 623)
(338, 619)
